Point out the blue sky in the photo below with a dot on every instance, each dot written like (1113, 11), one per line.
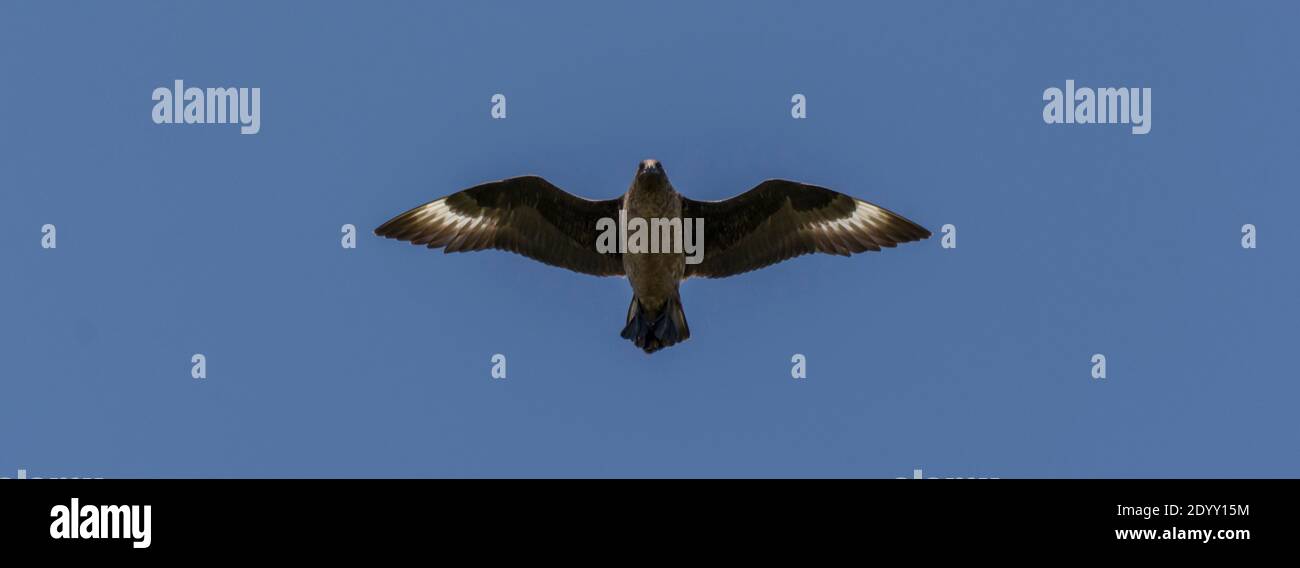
(323, 362)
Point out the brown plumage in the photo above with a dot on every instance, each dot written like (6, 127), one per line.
(525, 215)
(775, 221)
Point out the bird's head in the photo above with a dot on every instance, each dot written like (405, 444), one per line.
(650, 168)
(651, 173)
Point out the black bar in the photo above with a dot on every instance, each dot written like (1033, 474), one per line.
(328, 515)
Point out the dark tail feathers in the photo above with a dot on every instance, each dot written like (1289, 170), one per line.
(651, 331)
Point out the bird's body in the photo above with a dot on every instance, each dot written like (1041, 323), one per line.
(654, 276)
(772, 222)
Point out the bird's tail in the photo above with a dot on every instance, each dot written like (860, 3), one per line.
(653, 331)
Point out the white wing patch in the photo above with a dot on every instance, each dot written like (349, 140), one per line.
(437, 214)
(866, 218)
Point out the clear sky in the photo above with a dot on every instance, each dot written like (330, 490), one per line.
(976, 361)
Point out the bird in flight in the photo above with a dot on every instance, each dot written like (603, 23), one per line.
(775, 221)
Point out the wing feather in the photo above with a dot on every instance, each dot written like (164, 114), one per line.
(525, 215)
(779, 220)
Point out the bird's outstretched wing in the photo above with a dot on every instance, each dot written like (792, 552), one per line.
(779, 220)
(525, 215)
